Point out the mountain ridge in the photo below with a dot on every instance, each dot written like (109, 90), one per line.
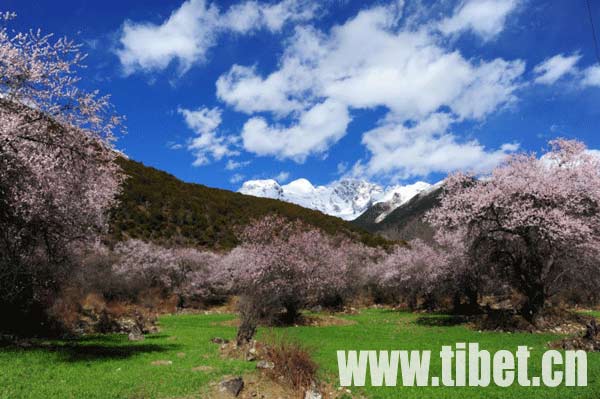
(407, 221)
(346, 198)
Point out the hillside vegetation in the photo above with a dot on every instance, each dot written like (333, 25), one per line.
(156, 206)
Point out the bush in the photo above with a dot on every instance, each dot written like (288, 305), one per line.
(293, 364)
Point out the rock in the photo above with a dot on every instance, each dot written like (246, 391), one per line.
(233, 386)
(252, 354)
(264, 364)
(128, 324)
(136, 336)
(219, 340)
(162, 363)
(313, 393)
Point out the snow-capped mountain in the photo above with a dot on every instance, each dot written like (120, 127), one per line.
(346, 198)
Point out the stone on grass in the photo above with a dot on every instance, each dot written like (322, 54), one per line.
(232, 385)
(265, 364)
(135, 337)
(252, 354)
(313, 393)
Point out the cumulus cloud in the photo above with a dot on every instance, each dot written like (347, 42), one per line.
(172, 145)
(559, 66)
(236, 178)
(185, 36)
(316, 129)
(247, 92)
(191, 30)
(282, 177)
(485, 18)
(207, 143)
(407, 151)
(233, 165)
(554, 68)
(591, 76)
(371, 62)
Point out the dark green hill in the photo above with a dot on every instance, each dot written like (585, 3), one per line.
(156, 206)
(405, 222)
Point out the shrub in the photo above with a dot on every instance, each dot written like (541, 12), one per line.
(293, 364)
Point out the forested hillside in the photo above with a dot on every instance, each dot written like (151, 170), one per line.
(156, 206)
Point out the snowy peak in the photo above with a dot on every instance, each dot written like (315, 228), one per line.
(346, 198)
(398, 195)
(262, 188)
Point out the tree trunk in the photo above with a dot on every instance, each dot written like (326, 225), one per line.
(471, 306)
(291, 314)
(536, 299)
(245, 332)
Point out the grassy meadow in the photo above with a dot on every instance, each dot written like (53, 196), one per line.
(110, 366)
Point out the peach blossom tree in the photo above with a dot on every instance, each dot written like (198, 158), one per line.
(57, 175)
(283, 267)
(533, 223)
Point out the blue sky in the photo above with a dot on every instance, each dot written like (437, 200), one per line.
(226, 91)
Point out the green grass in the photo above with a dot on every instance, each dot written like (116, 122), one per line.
(112, 367)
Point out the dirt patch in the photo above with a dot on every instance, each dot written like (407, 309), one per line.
(259, 386)
(588, 341)
(577, 343)
(162, 363)
(228, 307)
(204, 369)
(306, 321)
(555, 321)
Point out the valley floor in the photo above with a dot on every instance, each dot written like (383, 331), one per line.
(181, 362)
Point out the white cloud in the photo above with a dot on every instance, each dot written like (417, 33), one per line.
(192, 29)
(233, 165)
(185, 36)
(367, 62)
(485, 18)
(559, 66)
(591, 76)
(315, 131)
(247, 92)
(242, 17)
(252, 15)
(204, 122)
(403, 152)
(282, 177)
(342, 167)
(276, 15)
(236, 178)
(554, 68)
(172, 145)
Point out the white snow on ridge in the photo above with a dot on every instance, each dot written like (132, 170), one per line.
(346, 198)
